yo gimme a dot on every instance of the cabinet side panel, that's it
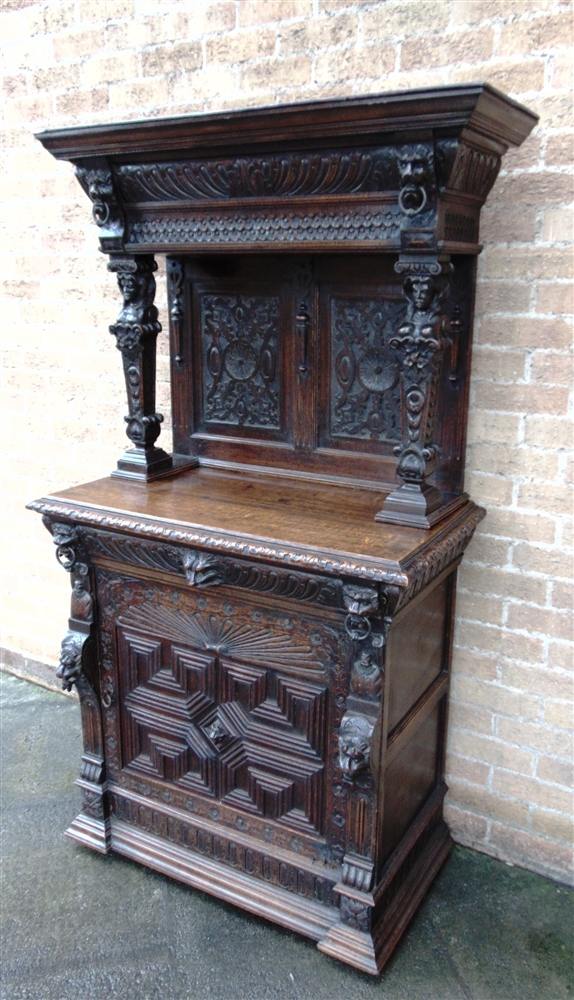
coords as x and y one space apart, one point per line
416 652
409 781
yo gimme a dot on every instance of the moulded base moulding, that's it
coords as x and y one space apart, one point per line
90 832
300 915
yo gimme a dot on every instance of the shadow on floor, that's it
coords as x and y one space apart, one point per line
76 925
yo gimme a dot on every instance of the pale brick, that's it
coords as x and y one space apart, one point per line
502 297
522 647
522 398
552 369
531 791
110 69
522 462
465 827
475 664
81 102
558 225
555 110
58 17
511 524
474 11
550 499
418 17
254 12
552 824
348 64
237 47
560 656
515 585
488 550
559 150
481 801
551 683
523 157
106 10
540 738
492 752
204 84
536 188
498 365
500 225
528 263
548 432
563 596
171 59
15 85
467 770
537 35
469 718
477 608
553 562
494 428
516 78
460 47
295 72
525 331
138 95
490 489
559 772
315 34
555 299
562 71
559 714
541 621
203 19
496 698
28 109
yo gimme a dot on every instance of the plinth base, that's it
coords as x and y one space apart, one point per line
145 467
418 507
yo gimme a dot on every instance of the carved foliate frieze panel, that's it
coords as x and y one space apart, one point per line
283 174
240 358
365 396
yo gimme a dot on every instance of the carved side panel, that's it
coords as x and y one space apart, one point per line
365 397
240 347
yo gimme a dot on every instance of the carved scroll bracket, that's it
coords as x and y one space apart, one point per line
136 331
96 179
78 667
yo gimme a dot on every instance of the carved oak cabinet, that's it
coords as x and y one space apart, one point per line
261 623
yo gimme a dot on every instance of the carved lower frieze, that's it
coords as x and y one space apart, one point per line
237 852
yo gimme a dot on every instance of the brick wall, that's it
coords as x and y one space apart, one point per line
81 61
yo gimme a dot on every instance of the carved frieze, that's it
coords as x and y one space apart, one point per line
285 174
241 360
362 224
365 398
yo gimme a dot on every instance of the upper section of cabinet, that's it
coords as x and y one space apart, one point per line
403 172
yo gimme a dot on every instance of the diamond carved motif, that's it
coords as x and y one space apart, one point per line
238 732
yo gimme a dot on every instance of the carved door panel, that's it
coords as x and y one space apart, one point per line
223 699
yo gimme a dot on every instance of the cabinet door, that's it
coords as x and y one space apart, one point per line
225 707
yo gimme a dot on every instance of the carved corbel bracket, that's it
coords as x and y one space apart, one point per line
97 181
78 667
416 178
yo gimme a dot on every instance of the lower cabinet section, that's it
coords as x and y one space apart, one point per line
272 737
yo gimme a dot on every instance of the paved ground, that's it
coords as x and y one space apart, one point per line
78 926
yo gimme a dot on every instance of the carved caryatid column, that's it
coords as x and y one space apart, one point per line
136 331
419 345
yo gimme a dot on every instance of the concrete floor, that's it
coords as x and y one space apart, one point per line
79 926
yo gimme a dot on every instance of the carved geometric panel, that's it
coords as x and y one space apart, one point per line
365 399
239 732
240 360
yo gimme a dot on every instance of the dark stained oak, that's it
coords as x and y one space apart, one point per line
261 624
